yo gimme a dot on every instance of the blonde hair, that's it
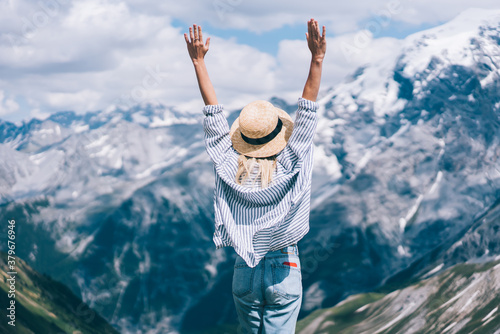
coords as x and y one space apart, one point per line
266 169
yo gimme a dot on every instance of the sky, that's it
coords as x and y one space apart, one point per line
89 55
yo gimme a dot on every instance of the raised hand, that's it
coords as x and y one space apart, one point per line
196 48
197 51
317 45
315 41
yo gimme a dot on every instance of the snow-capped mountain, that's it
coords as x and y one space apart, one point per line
118 204
118 199
419 148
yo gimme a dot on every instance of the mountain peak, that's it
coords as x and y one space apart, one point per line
454 42
470 43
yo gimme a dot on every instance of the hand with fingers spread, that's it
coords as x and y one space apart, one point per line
196 48
315 41
317 45
197 51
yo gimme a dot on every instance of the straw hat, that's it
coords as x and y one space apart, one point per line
261 130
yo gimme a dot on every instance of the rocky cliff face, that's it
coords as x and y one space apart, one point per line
118 204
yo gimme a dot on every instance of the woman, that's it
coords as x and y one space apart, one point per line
263 168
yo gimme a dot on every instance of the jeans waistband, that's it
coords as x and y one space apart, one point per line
292 249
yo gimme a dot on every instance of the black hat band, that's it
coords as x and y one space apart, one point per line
266 139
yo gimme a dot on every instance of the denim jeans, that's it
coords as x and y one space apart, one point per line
268 297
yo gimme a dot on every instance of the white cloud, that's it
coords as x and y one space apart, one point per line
338 16
90 54
37 113
433 12
101 54
294 58
7 104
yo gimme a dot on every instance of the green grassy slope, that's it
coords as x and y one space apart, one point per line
44 305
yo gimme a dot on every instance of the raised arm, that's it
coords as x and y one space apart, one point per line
300 143
317 45
197 51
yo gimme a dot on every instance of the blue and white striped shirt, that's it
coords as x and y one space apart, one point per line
257 220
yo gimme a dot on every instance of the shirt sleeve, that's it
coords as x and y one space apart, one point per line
301 140
217 141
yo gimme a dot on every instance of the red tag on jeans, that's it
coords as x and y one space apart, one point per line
291 264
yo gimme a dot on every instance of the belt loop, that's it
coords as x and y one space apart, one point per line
292 249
